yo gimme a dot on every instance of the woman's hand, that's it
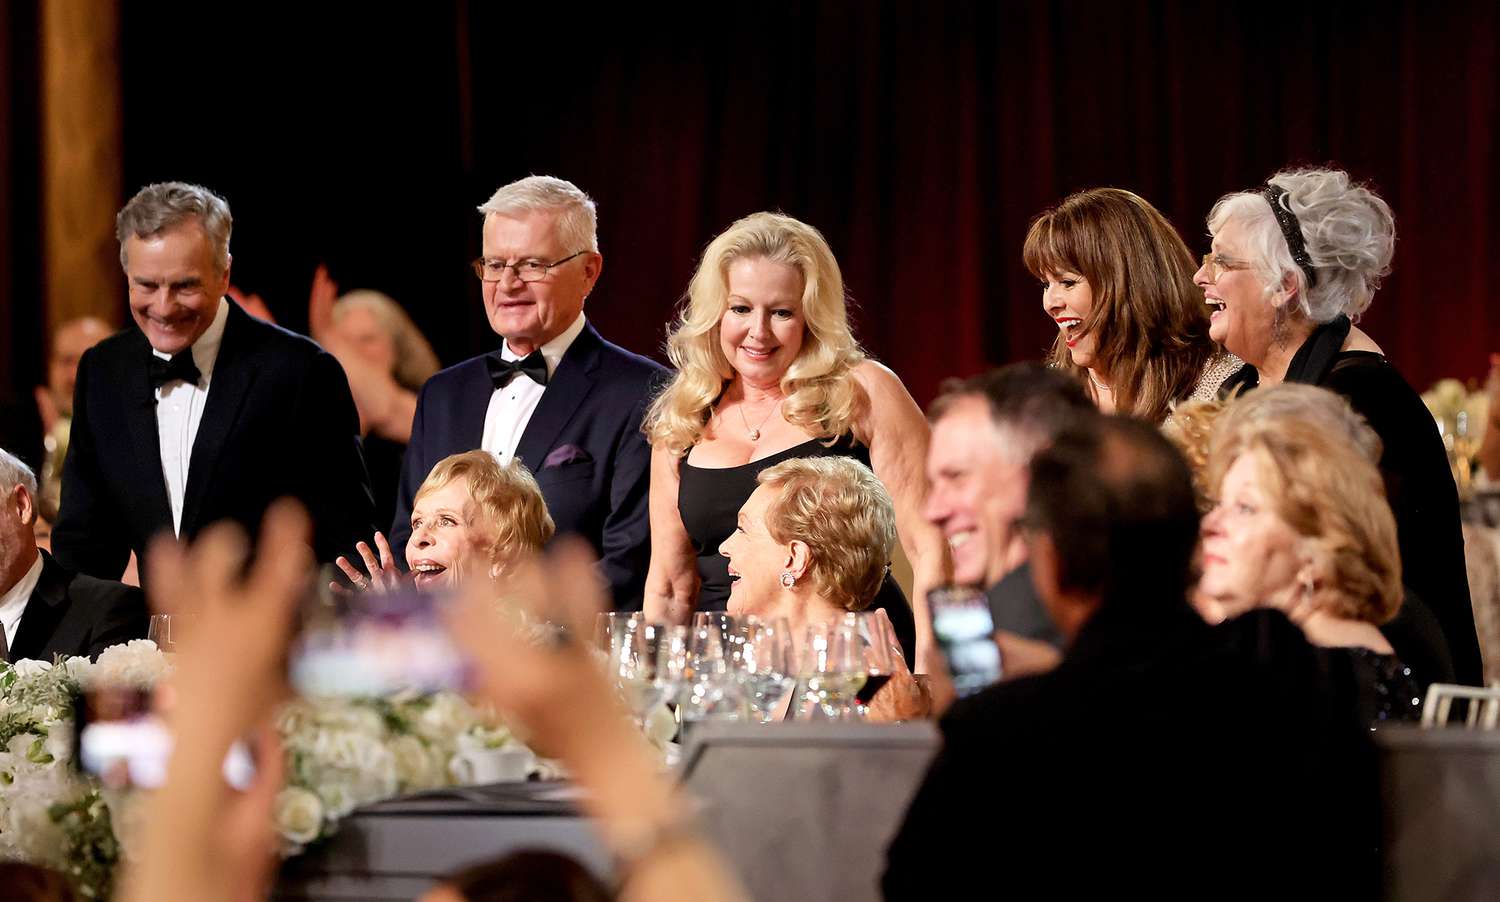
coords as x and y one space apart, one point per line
903 697
383 575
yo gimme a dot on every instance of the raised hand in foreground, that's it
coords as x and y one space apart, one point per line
204 841
556 693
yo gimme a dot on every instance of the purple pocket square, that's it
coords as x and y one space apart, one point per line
565 454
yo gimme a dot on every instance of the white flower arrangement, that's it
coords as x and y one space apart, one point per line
341 753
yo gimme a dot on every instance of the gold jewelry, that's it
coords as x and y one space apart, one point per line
755 432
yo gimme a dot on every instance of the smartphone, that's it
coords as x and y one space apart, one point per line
374 643
120 738
965 631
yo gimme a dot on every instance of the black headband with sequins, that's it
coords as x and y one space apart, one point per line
1291 230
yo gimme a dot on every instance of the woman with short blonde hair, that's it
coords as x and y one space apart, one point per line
471 509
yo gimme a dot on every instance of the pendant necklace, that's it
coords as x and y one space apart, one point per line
754 432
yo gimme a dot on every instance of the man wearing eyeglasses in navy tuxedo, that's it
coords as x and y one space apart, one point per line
554 394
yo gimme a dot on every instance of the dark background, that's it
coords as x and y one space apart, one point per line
920 137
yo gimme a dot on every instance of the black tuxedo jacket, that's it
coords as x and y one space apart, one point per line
1161 759
73 614
583 443
279 420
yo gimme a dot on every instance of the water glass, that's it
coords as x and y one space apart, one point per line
765 667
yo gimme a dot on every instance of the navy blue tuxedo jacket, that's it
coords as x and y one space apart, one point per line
279 421
583 444
72 614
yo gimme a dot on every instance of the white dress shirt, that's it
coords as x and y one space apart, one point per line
179 410
13 603
511 407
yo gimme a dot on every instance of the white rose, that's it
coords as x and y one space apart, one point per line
416 767
299 815
28 668
337 796
661 726
21 743
448 716
135 663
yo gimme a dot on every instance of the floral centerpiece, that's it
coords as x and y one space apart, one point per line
340 753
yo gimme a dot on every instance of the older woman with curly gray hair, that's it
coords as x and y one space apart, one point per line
1294 262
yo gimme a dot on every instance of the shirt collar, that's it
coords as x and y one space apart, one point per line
553 350
206 348
13 603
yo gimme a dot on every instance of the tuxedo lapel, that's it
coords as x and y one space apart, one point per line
227 389
145 441
43 611
566 390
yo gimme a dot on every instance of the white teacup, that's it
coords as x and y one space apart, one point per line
473 767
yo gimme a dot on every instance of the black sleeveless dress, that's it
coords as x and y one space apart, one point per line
709 500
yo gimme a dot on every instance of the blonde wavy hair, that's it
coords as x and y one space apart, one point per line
1324 486
821 394
842 512
504 500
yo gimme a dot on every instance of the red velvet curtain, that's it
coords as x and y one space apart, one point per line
921 137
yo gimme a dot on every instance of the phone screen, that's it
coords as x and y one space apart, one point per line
964 629
373 643
121 738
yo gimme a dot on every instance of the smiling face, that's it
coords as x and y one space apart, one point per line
1067 298
530 314
1242 317
976 494
1250 554
762 328
445 539
756 560
175 286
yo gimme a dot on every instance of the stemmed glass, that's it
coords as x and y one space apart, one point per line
875 640
765 666
634 666
608 626
711 691
833 670
160 632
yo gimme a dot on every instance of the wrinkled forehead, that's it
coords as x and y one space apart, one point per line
521 232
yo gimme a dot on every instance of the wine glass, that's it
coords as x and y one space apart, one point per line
875 640
711 691
833 670
607 627
633 665
765 666
160 632
717 620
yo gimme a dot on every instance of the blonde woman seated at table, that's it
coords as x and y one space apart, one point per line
1302 526
468 501
812 544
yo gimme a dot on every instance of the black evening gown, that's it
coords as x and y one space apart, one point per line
1418 485
710 498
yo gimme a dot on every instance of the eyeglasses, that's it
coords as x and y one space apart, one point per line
1218 264
529 270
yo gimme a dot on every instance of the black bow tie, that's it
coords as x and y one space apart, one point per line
533 365
181 366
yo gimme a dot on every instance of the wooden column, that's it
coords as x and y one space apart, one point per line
81 159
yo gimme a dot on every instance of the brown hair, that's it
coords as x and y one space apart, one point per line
504 496
844 514
1327 490
1148 317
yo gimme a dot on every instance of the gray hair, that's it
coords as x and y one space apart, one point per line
1292 401
1349 231
14 472
156 208
1029 404
577 221
415 360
